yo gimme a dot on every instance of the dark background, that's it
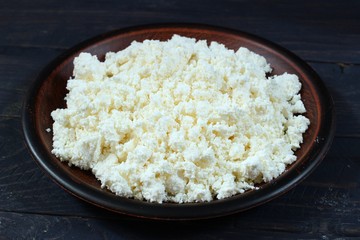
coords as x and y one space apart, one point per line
326 34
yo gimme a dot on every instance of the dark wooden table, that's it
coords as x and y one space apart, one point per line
326 34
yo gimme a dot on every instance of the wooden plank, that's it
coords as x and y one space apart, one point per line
33 226
315 31
341 80
20 66
343 83
332 190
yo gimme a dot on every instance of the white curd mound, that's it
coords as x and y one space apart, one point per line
179 121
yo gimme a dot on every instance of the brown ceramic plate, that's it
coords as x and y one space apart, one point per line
48 92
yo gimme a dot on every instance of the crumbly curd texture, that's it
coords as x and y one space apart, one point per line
179 120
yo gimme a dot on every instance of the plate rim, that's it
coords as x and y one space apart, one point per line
165 211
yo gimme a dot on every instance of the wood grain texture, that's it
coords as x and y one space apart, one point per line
63 227
341 80
322 31
326 34
332 189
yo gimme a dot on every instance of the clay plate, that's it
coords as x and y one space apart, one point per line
48 92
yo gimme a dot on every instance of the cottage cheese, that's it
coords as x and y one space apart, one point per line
179 121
